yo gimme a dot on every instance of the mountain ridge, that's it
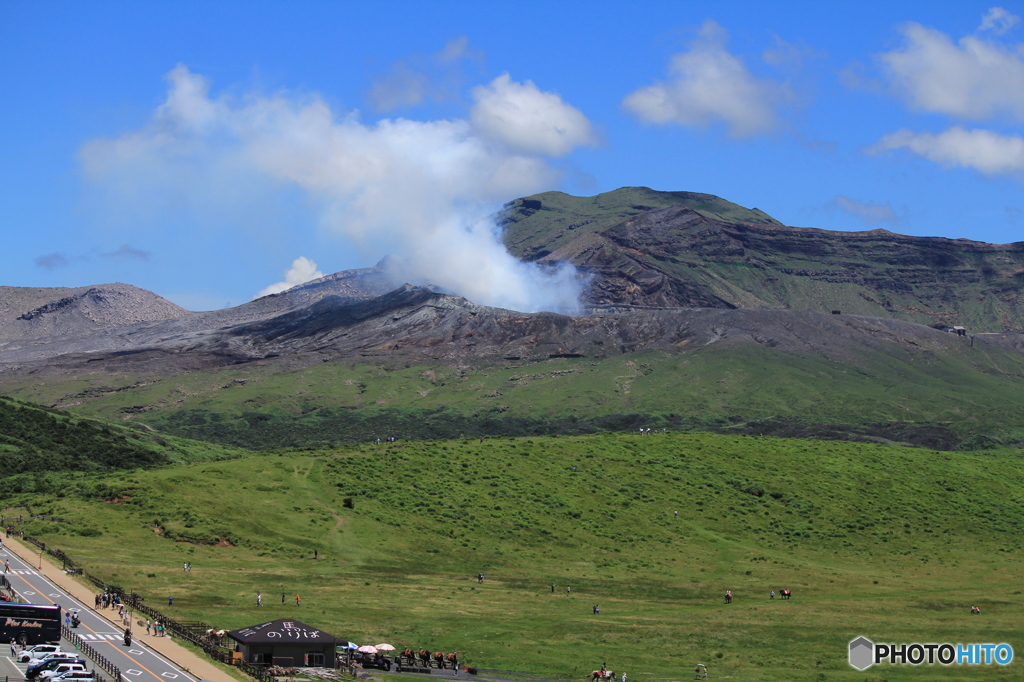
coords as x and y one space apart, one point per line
678 255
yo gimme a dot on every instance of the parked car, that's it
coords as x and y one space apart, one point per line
51 656
61 669
34 671
37 651
75 676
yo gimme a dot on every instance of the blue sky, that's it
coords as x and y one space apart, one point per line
203 150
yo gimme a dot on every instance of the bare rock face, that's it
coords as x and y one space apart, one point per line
421 325
65 317
41 313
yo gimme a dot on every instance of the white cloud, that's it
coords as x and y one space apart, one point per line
434 77
302 270
983 150
998 20
421 190
403 87
871 213
527 120
708 85
973 78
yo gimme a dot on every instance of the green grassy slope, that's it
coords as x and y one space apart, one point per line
531 233
890 543
961 395
34 439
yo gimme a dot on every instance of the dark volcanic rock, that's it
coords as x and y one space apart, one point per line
419 324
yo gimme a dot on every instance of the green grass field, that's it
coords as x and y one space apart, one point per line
948 396
891 543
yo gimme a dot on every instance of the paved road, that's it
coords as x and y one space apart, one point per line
138 663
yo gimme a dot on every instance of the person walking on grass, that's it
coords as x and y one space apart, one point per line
298 600
259 599
170 601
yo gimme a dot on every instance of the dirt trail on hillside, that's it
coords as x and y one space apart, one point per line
339 521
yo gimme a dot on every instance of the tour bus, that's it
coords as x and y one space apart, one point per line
29 623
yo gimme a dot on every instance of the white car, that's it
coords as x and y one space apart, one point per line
37 651
74 676
51 655
63 668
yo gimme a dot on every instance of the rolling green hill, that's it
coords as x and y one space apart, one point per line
891 543
36 440
944 395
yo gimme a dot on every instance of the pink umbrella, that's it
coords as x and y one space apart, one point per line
385 647
367 649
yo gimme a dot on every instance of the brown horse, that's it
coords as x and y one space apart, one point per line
409 655
728 597
425 658
439 659
602 675
786 594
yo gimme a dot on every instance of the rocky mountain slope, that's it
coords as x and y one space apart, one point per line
429 364
728 311
60 320
419 324
695 250
40 313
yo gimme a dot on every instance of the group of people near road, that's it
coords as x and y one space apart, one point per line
155 628
107 600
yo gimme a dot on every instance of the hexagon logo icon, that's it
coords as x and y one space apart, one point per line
862 653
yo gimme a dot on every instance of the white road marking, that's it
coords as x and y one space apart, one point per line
169 676
132 672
